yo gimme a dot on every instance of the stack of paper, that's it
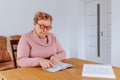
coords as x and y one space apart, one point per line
98 70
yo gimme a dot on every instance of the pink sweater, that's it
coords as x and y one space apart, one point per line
31 49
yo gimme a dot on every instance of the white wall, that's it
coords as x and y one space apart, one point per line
115 33
77 32
16 17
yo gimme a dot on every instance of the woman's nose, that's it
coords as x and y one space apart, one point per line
44 29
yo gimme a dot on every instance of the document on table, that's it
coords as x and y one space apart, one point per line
98 70
59 66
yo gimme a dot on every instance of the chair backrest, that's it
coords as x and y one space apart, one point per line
14 39
14 44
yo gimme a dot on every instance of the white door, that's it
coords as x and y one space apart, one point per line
96 31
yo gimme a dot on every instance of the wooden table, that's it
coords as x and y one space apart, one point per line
39 74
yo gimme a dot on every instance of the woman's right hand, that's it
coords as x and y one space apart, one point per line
45 63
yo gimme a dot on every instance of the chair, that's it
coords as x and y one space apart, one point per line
6 58
14 39
14 44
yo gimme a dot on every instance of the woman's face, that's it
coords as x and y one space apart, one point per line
42 28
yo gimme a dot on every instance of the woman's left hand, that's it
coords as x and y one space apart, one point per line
54 59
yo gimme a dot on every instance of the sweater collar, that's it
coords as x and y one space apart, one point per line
39 41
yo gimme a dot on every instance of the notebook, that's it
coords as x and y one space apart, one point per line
59 66
98 70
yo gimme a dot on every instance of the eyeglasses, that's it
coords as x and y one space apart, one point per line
42 26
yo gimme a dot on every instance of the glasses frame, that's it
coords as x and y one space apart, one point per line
42 26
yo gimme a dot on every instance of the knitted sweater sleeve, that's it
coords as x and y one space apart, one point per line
60 51
23 58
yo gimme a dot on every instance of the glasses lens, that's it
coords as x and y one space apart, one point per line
42 26
48 27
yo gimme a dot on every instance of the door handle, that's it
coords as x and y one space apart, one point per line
101 33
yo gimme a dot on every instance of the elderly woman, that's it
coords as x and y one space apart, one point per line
39 47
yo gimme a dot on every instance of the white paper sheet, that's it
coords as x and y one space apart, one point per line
98 70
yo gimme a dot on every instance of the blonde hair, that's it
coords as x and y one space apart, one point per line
42 16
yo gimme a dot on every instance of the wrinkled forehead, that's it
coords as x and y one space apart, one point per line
45 22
